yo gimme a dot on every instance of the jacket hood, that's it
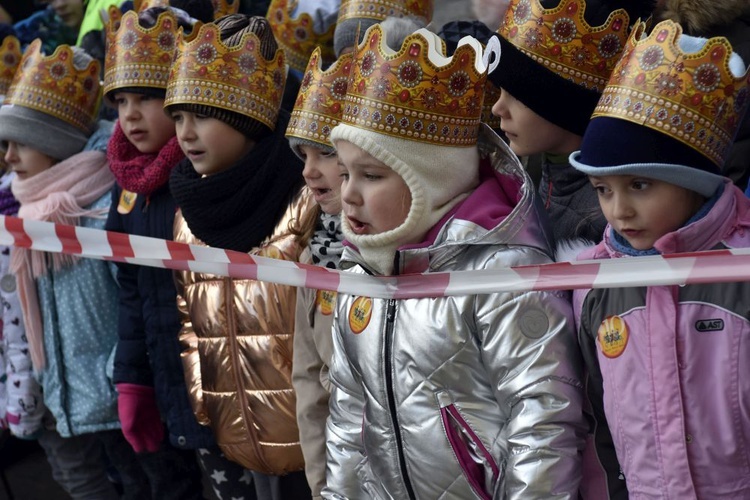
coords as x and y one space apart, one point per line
699 16
502 210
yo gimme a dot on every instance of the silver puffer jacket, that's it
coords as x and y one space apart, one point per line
460 397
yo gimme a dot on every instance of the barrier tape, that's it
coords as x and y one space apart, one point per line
715 266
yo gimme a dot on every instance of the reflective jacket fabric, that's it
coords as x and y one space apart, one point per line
674 385
237 353
474 396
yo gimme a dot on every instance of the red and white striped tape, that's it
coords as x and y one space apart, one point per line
678 269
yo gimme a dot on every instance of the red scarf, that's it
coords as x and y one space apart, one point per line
138 172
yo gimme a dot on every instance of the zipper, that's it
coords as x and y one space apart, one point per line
234 352
389 320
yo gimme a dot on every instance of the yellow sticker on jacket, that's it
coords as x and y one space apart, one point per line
359 314
127 202
613 336
325 301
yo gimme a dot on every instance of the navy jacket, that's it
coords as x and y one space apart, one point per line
148 351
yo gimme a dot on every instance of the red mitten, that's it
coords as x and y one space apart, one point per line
139 417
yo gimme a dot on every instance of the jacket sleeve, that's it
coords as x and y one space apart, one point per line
190 357
529 348
345 452
312 397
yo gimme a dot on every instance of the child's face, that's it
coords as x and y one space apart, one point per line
26 161
375 199
210 144
529 133
70 11
143 120
643 210
321 174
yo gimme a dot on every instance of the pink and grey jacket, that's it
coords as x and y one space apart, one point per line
668 374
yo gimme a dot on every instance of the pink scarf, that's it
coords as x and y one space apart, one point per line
54 195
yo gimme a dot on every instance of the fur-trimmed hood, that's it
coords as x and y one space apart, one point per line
700 16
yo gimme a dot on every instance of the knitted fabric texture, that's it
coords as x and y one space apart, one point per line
45 133
438 178
326 245
138 172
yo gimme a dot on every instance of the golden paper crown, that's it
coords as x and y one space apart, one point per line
417 93
297 36
561 40
380 9
137 56
692 97
225 7
491 95
320 102
10 57
53 85
238 78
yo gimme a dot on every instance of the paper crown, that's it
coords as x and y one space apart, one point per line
417 93
320 102
54 86
10 57
491 95
137 56
691 97
225 7
238 78
296 36
380 9
561 40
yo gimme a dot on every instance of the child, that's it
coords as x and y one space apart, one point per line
452 397
308 134
667 365
69 305
21 404
555 64
239 188
142 152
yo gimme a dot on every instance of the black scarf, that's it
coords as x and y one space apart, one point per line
237 209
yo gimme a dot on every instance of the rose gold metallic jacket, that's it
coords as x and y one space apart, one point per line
237 354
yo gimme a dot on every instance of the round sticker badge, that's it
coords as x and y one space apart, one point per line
613 336
360 314
325 300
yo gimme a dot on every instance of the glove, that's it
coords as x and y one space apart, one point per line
139 417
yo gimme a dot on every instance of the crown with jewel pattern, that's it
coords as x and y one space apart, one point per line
417 93
320 102
53 85
380 9
491 95
137 56
10 57
691 97
297 36
225 7
561 40
237 78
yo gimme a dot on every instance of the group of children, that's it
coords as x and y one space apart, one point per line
384 168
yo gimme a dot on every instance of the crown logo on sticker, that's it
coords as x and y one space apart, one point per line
417 93
10 58
138 56
320 102
561 40
380 9
692 97
54 86
297 36
237 78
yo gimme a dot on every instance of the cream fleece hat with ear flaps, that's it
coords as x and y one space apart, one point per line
438 177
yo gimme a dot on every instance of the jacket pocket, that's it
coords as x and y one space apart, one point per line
475 460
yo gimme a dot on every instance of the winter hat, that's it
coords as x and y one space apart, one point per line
680 99
556 61
418 112
356 16
231 70
38 113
